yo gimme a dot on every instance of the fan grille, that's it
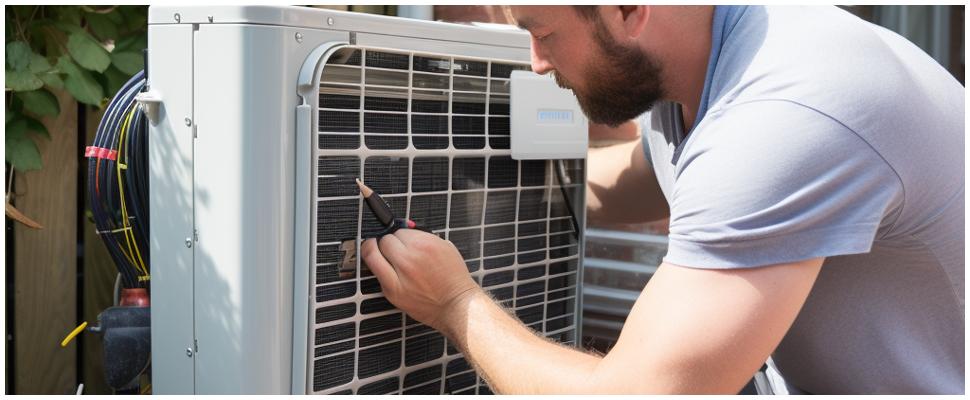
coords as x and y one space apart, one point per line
430 133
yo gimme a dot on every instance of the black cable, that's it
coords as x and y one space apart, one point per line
565 196
103 190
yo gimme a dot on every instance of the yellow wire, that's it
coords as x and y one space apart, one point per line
129 234
121 191
75 332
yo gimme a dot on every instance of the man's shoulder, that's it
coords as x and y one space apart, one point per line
812 55
871 80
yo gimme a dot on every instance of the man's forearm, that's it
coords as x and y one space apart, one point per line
490 338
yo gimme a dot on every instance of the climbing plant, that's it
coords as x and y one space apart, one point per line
87 51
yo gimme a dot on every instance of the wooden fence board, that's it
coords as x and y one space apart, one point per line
99 278
45 291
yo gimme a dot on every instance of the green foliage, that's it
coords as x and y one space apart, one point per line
40 102
89 51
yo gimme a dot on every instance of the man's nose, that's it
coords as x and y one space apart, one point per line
540 64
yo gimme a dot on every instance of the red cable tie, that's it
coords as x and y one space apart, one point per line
100 152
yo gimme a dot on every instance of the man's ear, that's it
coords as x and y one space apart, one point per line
632 19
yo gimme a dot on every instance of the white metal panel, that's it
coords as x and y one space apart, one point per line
170 177
461 49
315 18
308 89
244 205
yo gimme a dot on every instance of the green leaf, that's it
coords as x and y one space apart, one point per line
67 66
136 17
39 64
133 43
102 27
87 52
18 55
37 127
52 79
127 62
115 79
16 104
22 80
21 153
53 37
115 16
45 72
69 27
40 102
16 128
80 83
69 14
85 89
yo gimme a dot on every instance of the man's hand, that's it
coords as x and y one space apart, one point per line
428 279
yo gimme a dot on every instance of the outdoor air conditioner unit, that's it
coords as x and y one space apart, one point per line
261 119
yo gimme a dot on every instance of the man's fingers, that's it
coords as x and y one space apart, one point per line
377 264
393 250
412 236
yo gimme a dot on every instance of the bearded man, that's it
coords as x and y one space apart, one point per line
812 168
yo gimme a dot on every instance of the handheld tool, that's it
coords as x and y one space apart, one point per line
384 214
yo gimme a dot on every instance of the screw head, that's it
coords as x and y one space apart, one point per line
188 352
178 17
188 242
188 121
299 37
329 20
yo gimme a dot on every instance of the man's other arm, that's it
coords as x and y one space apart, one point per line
622 187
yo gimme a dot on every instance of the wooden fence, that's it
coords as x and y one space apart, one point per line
61 274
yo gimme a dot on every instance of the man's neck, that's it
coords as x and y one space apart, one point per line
684 45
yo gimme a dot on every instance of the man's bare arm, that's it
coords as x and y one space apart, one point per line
622 187
691 331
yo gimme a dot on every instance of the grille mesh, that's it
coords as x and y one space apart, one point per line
431 134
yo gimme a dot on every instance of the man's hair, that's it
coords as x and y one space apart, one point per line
587 12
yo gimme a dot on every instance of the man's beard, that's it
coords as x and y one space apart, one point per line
622 82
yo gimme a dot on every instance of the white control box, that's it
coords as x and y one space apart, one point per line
546 121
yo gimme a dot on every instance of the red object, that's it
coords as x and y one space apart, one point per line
135 298
411 224
100 152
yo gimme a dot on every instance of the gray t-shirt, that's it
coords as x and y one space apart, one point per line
826 136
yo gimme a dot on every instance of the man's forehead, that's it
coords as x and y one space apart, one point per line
528 17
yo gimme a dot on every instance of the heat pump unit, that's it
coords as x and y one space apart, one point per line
261 119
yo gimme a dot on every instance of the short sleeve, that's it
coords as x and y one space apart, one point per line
771 182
